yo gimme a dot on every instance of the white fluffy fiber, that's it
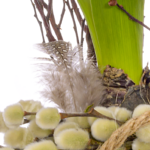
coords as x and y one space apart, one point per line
143 133
48 118
13 115
56 73
42 145
72 139
83 122
18 138
138 145
140 109
101 129
64 125
37 131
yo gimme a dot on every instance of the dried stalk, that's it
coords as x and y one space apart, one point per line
120 135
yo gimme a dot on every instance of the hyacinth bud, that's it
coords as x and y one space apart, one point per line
37 131
64 125
138 145
140 109
48 118
42 145
18 138
3 127
72 139
103 111
13 115
143 133
30 106
122 114
102 129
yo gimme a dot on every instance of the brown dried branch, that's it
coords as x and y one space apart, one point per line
62 14
39 22
82 39
48 32
53 22
72 16
132 18
49 9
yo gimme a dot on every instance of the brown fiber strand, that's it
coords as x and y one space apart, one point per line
120 135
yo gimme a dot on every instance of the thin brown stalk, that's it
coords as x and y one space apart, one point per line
78 14
50 17
39 22
40 9
62 14
82 39
72 16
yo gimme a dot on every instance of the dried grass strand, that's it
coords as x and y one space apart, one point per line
120 135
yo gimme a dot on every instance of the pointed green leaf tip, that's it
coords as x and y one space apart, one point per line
118 40
89 108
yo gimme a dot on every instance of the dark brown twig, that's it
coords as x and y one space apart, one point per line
39 22
62 14
114 3
82 39
49 9
72 16
48 32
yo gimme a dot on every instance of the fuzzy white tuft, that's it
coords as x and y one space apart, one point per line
112 109
72 139
103 111
63 126
140 109
83 122
48 118
30 106
102 129
37 131
138 145
122 114
42 145
18 138
3 127
143 133
13 114
72 119
84 85
6 148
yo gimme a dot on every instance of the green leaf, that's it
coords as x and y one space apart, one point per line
118 40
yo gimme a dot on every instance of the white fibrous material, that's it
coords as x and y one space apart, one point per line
72 119
30 106
140 109
102 129
143 133
64 77
103 111
42 145
112 109
48 118
72 139
139 145
13 115
18 138
37 131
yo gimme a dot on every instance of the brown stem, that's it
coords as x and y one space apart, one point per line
92 113
78 15
72 16
62 14
132 18
29 113
49 9
39 22
40 9
82 39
